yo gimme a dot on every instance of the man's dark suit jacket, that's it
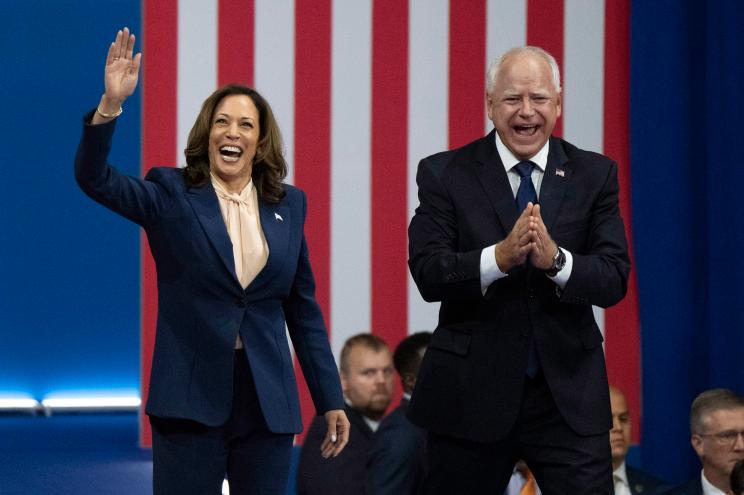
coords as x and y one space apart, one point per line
396 459
202 306
692 487
342 475
471 378
642 483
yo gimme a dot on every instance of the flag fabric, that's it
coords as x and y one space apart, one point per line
362 90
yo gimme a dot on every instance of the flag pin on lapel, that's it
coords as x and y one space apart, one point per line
560 172
278 217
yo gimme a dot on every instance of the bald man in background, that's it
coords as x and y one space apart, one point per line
627 480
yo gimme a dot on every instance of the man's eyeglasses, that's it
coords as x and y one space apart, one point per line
727 438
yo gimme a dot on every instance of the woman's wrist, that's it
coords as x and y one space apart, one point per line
107 109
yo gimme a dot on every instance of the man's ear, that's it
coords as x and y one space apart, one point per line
697 444
344 383
489 101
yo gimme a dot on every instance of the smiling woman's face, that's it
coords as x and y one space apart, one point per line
233 138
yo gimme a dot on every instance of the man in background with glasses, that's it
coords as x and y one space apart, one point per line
717 426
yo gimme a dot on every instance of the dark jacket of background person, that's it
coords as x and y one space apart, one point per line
692 487
642 483
342 475
396 458
202 306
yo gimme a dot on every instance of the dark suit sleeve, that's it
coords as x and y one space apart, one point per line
600 272
394 459
438 268
309 337
135 199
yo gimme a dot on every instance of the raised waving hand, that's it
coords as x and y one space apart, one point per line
120 76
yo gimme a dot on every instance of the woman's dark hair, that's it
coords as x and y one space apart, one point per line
737 478
269 166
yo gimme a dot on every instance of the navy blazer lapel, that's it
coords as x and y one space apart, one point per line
493 178
204 201
275 223
554 184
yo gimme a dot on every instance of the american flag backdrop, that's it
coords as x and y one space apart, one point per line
362 90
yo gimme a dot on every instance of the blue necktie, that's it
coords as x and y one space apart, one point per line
525 194
526 191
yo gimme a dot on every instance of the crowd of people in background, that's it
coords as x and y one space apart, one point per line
385 454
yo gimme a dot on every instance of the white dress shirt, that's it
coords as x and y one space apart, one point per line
620 479
489 270
708 488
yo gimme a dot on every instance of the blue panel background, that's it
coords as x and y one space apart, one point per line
687 64
69 297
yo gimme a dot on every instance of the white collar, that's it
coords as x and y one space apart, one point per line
621 473
708 488
509 160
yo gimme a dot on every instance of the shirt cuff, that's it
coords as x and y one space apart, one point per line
561 278
489 270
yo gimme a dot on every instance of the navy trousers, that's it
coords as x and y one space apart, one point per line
562 461
192 458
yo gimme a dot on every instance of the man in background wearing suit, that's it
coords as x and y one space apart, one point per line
366 370
628 480
395 462
517 234
717 426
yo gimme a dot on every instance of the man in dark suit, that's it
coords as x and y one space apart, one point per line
396 459
515 368
717 425
628 480
367 381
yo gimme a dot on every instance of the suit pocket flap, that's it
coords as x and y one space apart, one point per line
451 340
590 336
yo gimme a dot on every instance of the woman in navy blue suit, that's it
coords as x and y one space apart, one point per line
233 272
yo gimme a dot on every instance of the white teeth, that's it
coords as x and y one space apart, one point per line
230 159
233 149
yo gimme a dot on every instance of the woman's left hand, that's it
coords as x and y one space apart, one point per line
337 435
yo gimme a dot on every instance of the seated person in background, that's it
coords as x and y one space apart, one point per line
717 426
628 480
367 382
522 481
395 462
737 479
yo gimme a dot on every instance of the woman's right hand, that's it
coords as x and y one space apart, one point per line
120 75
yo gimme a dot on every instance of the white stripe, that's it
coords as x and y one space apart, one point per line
274 66
350 170
506 28
197 63
428 95
583 80
583 74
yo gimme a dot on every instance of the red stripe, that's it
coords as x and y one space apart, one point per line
622 327
467 69
389 148
312 147
545 29
159 143
235 41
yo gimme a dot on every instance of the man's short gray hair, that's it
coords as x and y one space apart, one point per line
496 66
710 401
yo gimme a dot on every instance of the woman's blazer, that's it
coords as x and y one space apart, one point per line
201 304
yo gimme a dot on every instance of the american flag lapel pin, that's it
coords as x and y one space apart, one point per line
278 217
560 172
